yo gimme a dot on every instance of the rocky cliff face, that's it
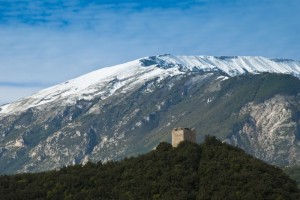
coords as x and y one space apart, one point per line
271 131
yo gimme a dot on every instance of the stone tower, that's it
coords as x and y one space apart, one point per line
183 134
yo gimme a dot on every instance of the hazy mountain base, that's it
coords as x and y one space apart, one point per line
132 123
212 170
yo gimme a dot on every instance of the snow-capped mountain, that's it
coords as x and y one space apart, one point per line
126 76
127 109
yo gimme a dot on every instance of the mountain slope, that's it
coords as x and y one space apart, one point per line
126 76
128 109
212 170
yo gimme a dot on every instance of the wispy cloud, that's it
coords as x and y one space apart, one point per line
22 84
11 93
51 41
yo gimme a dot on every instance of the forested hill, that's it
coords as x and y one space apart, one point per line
212 170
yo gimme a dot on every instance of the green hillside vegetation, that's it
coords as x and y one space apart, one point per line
294 173
212 170
220 116
261 87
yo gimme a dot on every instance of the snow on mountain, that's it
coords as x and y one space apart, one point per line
91 85
231 65
106 81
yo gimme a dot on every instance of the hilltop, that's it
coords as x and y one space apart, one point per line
212 170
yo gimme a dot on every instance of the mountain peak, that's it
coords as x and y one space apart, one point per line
231 65
106 81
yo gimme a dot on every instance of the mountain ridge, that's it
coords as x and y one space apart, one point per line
150 67
131 108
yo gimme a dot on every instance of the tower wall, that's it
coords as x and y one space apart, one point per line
183 134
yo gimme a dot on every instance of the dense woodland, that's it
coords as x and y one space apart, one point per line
212 170
294 173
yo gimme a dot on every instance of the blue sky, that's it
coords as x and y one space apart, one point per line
45 42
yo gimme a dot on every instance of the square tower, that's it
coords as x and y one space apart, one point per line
183 134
